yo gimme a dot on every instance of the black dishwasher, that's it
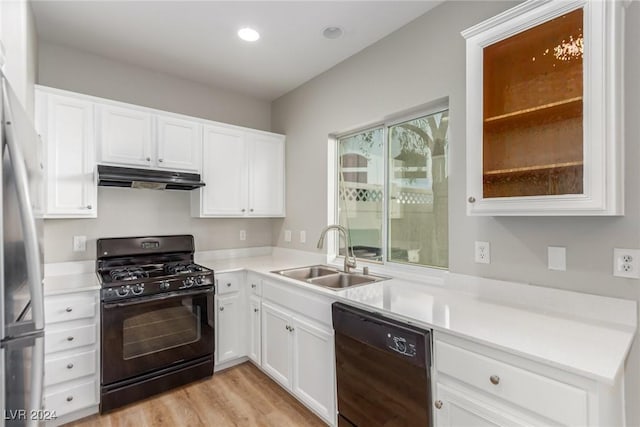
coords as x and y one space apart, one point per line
382 370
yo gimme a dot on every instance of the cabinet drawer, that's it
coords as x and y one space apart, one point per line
72 399
62 308
61 369
67 339
228 283
553 399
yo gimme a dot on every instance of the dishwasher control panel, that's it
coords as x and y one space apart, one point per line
402 345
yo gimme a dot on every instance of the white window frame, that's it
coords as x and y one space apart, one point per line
333 239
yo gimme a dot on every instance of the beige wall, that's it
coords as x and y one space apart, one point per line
425 61
128 212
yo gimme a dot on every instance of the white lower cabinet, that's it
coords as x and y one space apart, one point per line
230 309
298 354
255 332
72 356
481 386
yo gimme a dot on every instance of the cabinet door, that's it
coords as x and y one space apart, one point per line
70 164
313 367
544 110
454 408
125 136
224 171
179 144
254 329
228 327
266 175
276 344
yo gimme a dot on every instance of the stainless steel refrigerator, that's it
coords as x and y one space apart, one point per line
21 279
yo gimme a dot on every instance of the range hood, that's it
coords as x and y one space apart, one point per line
114 176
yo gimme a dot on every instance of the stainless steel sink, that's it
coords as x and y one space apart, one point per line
304 273
329 277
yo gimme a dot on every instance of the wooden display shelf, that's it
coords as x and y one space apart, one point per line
566 107
531 169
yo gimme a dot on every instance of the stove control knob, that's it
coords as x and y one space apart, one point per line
137 289
123 291
188 282
164 286
199 280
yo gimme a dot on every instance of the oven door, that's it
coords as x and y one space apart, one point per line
149 333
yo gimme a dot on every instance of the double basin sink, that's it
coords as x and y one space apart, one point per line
329 277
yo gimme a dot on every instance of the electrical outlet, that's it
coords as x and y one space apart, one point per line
243 235
626 263
483 253
79 243
287 235
303 236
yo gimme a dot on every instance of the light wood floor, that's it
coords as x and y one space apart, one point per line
239 396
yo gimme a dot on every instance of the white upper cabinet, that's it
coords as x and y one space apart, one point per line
545 109
179 144
125 136
266 174
244 174
132 137
66 127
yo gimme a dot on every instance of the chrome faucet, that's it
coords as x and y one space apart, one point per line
349 261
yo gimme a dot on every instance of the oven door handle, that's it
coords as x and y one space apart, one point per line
158 297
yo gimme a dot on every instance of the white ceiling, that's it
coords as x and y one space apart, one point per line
197 40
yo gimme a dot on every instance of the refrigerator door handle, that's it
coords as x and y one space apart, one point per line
26 213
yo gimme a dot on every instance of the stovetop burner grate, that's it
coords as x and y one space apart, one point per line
128 273
183 268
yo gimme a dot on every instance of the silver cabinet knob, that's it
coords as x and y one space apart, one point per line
160 160
255 310
148 159
250 210
438 404
69 398
221 308
291 328
287 327
242 210
472 199
228 285
68 309
70 366
253 286
495 380
69 338
89 207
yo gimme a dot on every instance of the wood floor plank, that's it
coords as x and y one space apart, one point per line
239 396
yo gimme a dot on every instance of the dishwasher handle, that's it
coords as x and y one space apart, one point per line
409 343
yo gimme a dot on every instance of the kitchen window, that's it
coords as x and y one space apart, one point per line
392 190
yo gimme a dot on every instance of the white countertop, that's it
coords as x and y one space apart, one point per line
583 345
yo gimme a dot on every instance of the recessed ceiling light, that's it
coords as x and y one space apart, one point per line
248 34
332 32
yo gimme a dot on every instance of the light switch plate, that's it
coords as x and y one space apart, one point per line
243 235
287 235
557 258
79 243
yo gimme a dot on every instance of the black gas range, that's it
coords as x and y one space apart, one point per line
157 317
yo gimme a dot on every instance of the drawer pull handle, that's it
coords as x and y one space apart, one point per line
70 366
253 286
438 404
69 338
255 310
495 380
69 309
69 398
